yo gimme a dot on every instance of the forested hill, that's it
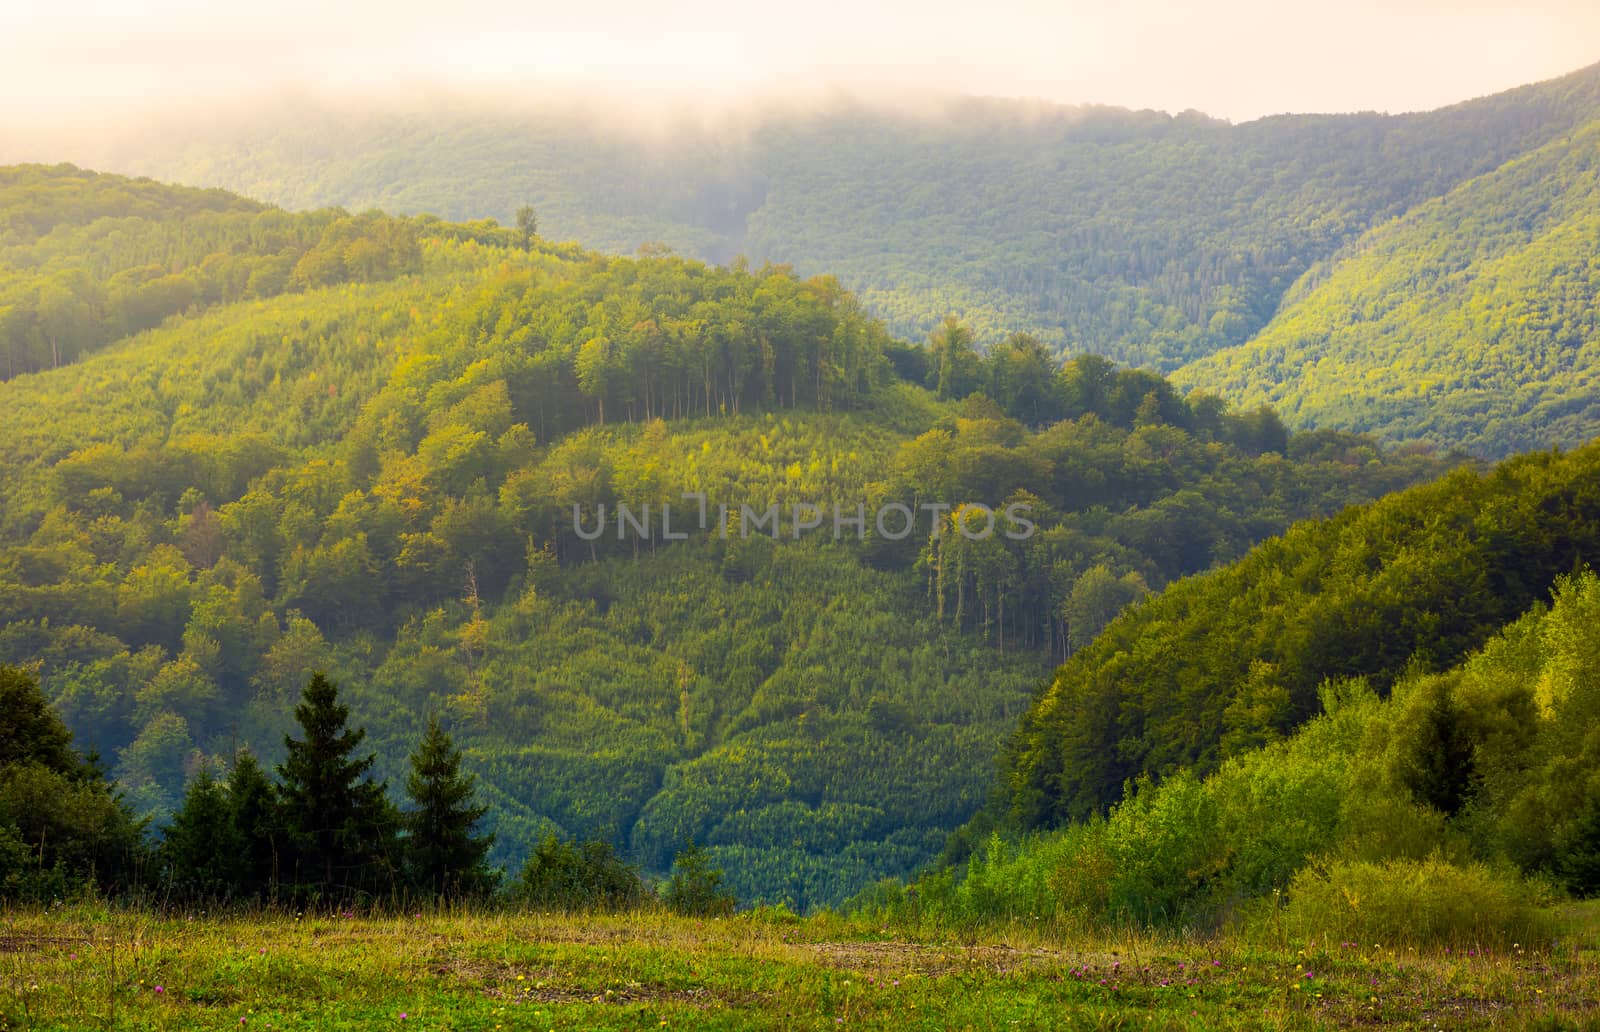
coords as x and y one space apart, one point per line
1149 238
1470 320
374 475
86 259
1223 663
1160 241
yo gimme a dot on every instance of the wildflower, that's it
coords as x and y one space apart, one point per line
159 990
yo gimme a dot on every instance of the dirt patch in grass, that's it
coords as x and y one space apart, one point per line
518 984
15 942
697 997
934 961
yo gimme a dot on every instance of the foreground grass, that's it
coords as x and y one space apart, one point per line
101 969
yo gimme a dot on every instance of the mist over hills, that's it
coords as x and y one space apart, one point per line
1157 240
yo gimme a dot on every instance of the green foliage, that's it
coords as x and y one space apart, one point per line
695 888
258 824
564 875
377 480
203 851
1451 812
340 825
1151 238
443 855
29 731
1235 657
1414 902
1468 322
63 830
86 259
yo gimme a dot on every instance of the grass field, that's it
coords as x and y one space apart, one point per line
102 969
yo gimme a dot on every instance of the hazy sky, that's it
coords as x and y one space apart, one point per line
1233 58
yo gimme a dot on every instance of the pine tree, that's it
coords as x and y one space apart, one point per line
696 888
203 849
444 856
340 824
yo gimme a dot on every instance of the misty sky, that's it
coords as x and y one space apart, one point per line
1233 58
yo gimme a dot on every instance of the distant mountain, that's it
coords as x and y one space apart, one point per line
1470 320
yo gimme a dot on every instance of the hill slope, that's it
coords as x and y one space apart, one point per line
1229 660
1468 321
86 259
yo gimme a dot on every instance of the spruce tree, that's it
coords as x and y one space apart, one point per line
254 801
340 824
444 856
203 850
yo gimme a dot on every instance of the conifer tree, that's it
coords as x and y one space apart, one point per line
340 824
254 802
203 849
527 225
443 854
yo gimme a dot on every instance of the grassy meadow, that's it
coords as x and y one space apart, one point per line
83 968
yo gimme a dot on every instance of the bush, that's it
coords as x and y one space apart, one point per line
696 888
562 875
1415 902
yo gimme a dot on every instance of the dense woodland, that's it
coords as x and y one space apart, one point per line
1453 806
1438 264
373 477
1235 659
86 259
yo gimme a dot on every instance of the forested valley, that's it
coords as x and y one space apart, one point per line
354 445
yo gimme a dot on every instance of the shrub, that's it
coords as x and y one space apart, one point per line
562 875
1415 902
696 887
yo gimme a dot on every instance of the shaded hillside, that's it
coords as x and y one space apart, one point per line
1232 659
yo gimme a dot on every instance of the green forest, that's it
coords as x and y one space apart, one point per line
372 472
642 517
1470 320
1420 277
1452 806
